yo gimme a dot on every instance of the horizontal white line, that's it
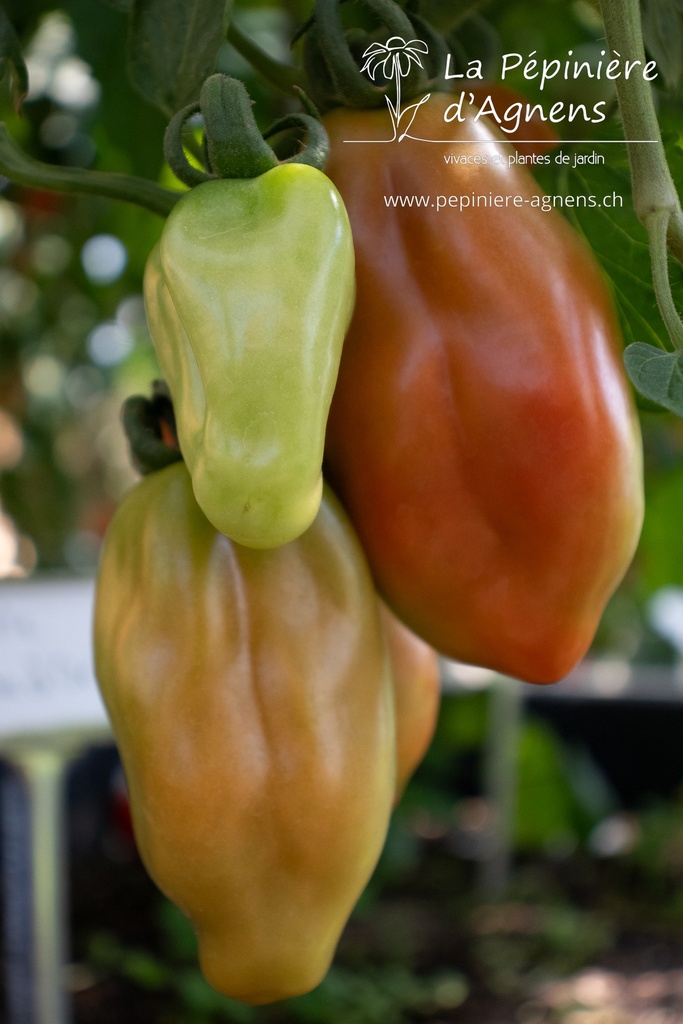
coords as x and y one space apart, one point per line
514 142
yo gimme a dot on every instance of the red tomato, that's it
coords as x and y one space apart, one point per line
482 434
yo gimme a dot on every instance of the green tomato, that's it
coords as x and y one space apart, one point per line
249 293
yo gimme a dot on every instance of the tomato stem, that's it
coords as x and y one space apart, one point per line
350 87
174 148
330 61
317 149
657 224
234 145
281 76
655 198
23 169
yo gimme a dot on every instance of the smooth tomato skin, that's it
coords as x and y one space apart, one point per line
482 435
417 695
251 699
543 136
248 294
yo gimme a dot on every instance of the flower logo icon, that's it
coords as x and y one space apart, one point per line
395 59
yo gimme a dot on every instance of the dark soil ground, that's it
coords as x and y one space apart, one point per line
581 942
584 933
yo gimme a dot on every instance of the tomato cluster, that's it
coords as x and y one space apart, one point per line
484 445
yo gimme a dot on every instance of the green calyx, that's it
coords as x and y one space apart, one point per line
233 144
149 425
358 69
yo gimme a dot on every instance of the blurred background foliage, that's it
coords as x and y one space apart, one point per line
73 337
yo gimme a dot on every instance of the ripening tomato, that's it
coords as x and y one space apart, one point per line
482 435
417 693
250 696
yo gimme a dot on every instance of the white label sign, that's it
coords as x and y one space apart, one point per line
47 683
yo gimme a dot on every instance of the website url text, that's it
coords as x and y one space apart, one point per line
491 200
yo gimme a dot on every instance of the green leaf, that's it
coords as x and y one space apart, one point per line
663 34
674 151
173 48
11 57
657 375
145 969
546 805
227 15
620 243
660 562
615 235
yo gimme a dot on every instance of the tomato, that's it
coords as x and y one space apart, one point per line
249 293
534 137
250 695
482 435
417 693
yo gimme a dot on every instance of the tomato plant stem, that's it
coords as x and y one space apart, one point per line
653 187
21 168
280 75
675 235
657 225
655 199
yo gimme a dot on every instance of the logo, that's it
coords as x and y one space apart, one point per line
395 59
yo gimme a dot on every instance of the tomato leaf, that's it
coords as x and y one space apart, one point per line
620 243
657 375
173 47
663 33
11 57
600 206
